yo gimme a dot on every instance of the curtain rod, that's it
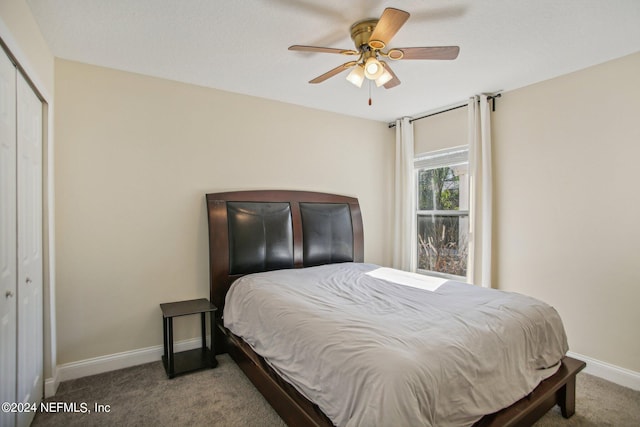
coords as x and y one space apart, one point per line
491 98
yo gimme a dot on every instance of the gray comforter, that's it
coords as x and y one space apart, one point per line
370 352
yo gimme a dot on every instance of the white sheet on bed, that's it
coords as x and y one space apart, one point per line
420 281
371 352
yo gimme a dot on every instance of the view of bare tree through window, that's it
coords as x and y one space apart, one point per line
443 219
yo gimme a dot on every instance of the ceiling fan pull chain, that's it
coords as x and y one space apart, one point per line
369 92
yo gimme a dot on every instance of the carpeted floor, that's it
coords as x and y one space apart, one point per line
143 396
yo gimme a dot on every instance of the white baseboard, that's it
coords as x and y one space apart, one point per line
112 362
609 372
51 386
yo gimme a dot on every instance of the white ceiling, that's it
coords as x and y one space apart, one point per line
241 45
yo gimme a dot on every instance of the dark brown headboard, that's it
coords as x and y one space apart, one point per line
254 231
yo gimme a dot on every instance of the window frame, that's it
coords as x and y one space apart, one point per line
448 157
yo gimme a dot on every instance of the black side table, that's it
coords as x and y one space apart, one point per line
190 360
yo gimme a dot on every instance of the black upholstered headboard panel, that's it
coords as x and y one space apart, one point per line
327 233
260 236
254 231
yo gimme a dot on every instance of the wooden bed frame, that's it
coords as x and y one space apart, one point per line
292 406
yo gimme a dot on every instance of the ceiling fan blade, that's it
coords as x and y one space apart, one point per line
395 81
436 52
331 73
390 22
301 48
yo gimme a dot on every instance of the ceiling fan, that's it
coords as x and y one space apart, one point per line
371 37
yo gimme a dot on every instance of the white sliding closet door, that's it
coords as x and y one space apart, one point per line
30 278
21 278
8 255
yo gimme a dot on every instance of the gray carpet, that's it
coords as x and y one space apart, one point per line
143 396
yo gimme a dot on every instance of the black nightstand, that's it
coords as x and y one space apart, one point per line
190 360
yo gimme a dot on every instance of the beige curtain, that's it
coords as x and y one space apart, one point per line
404 236
481 204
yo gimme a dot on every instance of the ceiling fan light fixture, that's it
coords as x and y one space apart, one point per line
373 68
384 78
356 76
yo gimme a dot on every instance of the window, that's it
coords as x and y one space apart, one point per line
442 214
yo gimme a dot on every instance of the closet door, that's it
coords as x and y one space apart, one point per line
8 274
29 173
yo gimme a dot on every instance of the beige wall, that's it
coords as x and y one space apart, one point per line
135 156
567 205
440 131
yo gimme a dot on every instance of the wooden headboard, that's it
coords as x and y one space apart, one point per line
255 231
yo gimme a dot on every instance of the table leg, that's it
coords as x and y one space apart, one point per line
170 339
212 320
203 328
166 348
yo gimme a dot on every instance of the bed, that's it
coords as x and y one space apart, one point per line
279 233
